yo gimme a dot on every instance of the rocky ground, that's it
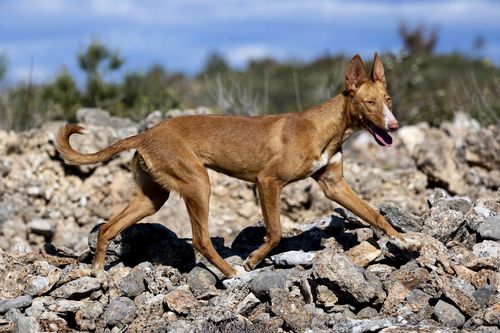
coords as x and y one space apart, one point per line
331 272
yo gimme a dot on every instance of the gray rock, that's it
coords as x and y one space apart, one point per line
15 303
483 294
338 270
148 305
400 218
63 306
442 223
88 314
360 325
42 227
201 281
448 315
293 258
120 312
490 228
248 303
487 249
441 161
262 284
133 283
291 309
100 117
22 324
77 289
367 313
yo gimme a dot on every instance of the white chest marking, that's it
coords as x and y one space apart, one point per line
319 163
388 116
337 158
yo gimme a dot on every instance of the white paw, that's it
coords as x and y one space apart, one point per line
406 243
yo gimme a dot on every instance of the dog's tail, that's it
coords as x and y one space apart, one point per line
71 156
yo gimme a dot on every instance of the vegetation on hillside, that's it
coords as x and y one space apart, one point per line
425 86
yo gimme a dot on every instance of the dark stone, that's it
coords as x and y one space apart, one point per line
399 218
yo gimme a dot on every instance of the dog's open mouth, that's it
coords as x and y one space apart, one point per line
381 136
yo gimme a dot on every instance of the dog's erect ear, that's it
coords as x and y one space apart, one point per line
355 75
377 73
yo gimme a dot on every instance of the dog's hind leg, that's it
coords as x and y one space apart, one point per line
148 197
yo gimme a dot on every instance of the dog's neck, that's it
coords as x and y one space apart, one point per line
335 119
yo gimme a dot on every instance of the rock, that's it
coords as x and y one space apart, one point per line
42 227
483 294
100 117
148 242
367 313
148 305
15 303
441 162
201 281
325 297
490 228
492 315
39 285
248 303
363 253
132 284
361 325
399 218
21 323
262 284
483 148
181 301
465 302
412 137
120 312
339 271
291 310
88 314
77 289
443 223
448 315
487 249
293 258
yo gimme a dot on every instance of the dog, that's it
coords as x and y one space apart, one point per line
271 151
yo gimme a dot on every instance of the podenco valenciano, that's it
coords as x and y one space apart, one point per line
271 151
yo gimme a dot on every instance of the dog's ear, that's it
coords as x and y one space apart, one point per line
355 75
377 73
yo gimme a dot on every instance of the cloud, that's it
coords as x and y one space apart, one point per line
179 33
241 54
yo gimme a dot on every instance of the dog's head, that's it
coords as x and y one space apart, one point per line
371 105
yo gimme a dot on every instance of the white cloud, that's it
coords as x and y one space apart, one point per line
241 54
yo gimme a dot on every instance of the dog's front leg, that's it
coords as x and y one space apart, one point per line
269 194
333 184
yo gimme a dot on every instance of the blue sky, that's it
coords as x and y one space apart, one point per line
179 34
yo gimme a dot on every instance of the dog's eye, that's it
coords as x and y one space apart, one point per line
389 99
371 102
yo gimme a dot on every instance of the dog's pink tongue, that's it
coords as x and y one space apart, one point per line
382 137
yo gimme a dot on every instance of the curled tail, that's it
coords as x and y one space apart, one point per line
71 156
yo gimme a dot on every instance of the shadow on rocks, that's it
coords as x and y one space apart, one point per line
306 238
151 242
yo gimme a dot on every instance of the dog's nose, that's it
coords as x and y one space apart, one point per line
393 125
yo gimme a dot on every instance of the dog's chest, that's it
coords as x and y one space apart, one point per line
324 160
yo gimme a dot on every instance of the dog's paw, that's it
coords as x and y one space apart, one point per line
406 243
248 265
241 276
101 276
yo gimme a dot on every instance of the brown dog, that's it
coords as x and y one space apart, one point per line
271 151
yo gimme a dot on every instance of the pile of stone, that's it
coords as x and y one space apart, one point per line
440 185
332 275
